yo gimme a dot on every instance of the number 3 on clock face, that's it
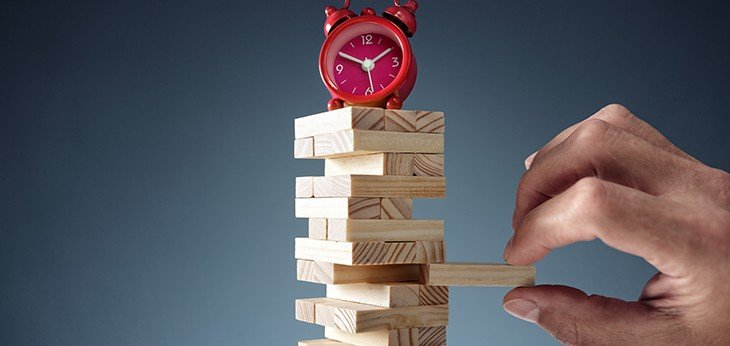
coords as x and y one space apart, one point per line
366 64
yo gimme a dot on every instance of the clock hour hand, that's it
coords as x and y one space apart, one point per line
351 58
382 54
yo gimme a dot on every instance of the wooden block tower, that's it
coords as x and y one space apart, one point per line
385 272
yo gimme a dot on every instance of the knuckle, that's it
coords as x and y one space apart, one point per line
590 194
591 131
615 113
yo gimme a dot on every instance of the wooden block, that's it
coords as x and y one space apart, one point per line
329 273
369 253
384 230
340 208
390 295
304 187
323 342
400 120
428 165
304 309
304 148
430 122
380 186
477 274
423 336
373 164
318 228
396 208
361 142
347 118
356 318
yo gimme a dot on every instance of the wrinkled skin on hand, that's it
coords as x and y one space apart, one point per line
615 178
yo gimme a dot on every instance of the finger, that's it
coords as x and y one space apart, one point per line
620 117
574 318
659 230
599 149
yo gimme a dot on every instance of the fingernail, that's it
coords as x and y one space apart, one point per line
523 309
528 160
507 249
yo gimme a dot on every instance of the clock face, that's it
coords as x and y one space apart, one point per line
366 64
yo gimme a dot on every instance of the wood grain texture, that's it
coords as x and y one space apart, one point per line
477 274
363 118
322 342
423 336
329 273
304 148
430 122
390 294
396 208
318 228
304 187
428 165
369 253
385 230
372 164
340 208
380 186
400 120
361 142
304 309
356 318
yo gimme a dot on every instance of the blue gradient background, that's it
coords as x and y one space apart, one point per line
146 173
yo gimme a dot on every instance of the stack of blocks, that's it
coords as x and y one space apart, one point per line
385 272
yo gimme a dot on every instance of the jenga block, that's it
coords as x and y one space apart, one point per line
304 148
477 274
369 253
304 187
384 230
390 294
329 273
356 318
373 164
423 336
429 165
318 228
396 208
430 122
341 208
379 186
347 118
400 120
304 309
323 342
361 142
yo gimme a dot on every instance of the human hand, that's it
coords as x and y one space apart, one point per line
615 178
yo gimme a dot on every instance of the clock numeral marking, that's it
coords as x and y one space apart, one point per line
353 89
343 82
367 39
396 63
381 86
368 91
353 46
339 68
380 40
391 75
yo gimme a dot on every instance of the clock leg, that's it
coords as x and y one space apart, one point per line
394 103
334 103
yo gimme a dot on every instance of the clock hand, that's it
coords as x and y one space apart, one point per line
382 54
351 58
370 77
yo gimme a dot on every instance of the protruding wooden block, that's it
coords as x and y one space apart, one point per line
396 208
373 164
477 274
369 253
431 122
423 336
362 118
379 186
304 148
384 230
329 273
431 165
304 187
304 309
323 342
318 228
361 142
390 295
356 318
340 208
400 120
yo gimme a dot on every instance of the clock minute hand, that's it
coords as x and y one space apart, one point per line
351 58
382 54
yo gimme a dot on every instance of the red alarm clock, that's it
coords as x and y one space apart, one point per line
367 60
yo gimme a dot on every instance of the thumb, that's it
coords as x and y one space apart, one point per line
575 318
